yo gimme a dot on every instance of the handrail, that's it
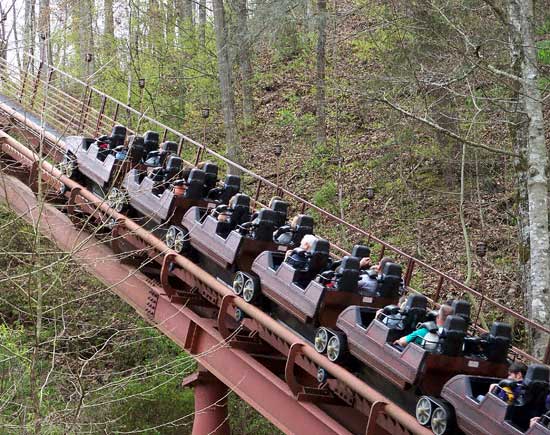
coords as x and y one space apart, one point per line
412 261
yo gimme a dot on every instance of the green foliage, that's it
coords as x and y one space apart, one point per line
543 51
326 196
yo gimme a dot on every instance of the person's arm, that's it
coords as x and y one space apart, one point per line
403 341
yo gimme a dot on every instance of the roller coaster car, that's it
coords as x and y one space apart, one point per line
414 365
316 303
222 243
152 195
459 406
94 158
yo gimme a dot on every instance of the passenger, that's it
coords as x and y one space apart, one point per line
298 257
418 335
368 282
394 318
284 234
516 373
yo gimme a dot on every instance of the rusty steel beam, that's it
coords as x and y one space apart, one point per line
172 317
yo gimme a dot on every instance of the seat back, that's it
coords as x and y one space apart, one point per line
390 281
452 336
156 158
347 275
360 251
173 167
241 210
195 183
264 225
320 252
414 311
532 399
118 136
211 171
304 225
151 141
462 308
231 186
170 147
281 208
136 149
498 342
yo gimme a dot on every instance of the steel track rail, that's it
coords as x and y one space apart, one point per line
262 388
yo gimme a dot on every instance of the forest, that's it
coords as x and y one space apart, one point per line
423 122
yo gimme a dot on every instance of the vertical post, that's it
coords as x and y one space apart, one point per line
408 273
82 109
50 76
86 109
210 403
36 82
100 114
115 116
180 146
164 134
24 81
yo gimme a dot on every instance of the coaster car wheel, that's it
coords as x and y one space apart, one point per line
238 283
336 347
67 166
177 238
117 200
424 410
251 289
322 375
442 419
322 336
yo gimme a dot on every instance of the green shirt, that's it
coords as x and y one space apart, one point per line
417 336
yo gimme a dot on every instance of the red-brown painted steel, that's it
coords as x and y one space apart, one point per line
240 371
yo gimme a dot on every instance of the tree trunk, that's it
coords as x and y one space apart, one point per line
86 36
243 41
185 14
202 22
108 27
531 137
321 64
233 150
44 32
29 33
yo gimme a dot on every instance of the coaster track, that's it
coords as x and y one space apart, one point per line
264 362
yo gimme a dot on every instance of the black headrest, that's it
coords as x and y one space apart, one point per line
210 168
151 140
455 323
392 269
174 163
103 138
461 308
267 216
171 147
304 221
280 206
233 181
537 373
135 141
242 200
196 176
360 251
320 246
416 301
118 130
500 329
391 309
349 262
